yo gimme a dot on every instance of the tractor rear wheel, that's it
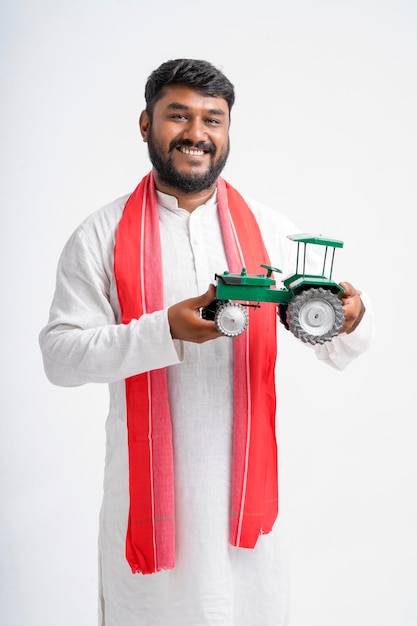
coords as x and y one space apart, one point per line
315 315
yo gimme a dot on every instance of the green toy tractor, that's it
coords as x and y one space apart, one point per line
308 304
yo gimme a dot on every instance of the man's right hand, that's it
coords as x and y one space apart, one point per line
185 320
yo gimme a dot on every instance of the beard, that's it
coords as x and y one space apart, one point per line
186 183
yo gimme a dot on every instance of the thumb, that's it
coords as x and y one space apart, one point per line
205 298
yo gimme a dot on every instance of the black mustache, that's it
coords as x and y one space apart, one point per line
187 143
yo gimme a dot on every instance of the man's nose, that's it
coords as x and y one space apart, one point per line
195 130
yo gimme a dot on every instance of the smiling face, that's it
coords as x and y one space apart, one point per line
188 139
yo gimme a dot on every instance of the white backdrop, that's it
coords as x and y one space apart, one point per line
325 130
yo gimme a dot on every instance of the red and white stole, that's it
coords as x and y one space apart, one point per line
150 540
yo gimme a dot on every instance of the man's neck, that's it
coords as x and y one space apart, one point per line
187 201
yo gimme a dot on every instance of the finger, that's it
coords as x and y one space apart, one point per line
348 290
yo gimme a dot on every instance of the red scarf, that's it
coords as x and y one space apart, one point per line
150 541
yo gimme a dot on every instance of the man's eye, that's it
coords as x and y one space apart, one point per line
177 116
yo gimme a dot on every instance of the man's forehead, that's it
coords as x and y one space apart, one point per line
184 97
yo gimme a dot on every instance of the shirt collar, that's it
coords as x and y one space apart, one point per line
171 203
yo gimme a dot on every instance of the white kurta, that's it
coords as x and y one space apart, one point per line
213 583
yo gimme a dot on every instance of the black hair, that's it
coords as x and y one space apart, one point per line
200 75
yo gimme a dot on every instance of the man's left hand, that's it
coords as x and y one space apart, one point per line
353 306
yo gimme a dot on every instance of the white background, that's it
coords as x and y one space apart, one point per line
324 129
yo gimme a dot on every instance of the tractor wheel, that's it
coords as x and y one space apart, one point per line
209 312
315 315
231 319
282 312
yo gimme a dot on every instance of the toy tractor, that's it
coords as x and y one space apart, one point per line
308 304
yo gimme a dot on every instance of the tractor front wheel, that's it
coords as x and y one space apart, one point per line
231 319
315 315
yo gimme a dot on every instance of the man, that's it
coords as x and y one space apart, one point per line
187 534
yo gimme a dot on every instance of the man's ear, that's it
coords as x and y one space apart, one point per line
144 124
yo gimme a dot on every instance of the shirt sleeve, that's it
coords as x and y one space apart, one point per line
84 341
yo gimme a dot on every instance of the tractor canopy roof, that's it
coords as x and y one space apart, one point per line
317 239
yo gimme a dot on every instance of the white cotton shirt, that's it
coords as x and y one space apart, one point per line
213 583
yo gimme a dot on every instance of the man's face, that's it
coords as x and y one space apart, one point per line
188 138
